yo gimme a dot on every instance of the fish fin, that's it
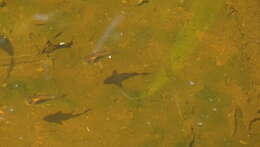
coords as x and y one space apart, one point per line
60 122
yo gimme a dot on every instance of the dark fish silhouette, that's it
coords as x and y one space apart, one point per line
6 45
59 117
118 78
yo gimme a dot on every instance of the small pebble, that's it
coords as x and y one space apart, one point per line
200 124
61 43
4 85
11 110
214 109
148 123
211 99
191 83
87 128
109 57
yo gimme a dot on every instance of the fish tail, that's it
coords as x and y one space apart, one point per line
10 69
145 73
87 110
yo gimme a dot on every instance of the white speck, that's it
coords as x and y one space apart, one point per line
211 99
4 85
214 109
42 17
148 123
87 128
11 110
191 83
61 43
110 57
16 85
200 124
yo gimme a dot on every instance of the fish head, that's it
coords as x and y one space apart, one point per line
111 79
114 79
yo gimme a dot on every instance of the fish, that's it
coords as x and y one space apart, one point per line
95 57
50 47
7 47
41 98
60 116
118 78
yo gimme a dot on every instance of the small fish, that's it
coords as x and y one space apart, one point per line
95 57
39 99
50 47
118 78
6 45
59 116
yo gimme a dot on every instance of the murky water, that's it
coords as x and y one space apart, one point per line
135 73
